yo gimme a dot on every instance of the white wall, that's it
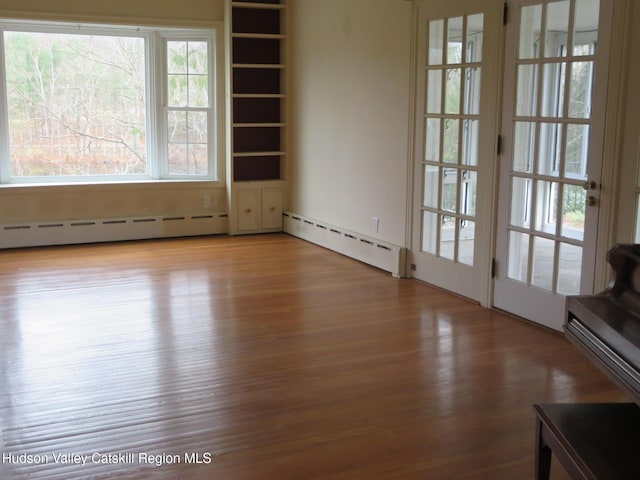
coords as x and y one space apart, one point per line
630 150
161 12
349 87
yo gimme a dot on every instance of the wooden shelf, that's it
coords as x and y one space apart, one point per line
260 5
265 36
258 154
258 95
259 125
257 92
274 66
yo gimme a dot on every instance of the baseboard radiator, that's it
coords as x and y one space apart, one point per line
110 229
385 256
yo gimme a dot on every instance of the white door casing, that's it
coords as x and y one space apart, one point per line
457 85
555 96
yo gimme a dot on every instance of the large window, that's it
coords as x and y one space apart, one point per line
88 103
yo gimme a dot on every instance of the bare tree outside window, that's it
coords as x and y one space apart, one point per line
76 104
187 92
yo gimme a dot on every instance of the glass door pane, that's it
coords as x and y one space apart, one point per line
451 116
548 172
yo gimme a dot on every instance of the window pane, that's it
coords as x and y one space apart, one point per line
557 29
549 149
523 147
177 58
577 151
434 91
553 89
198 58
527 90
436 46
547 206
530 20
450 189
569 268
581 84
454 40
432 140
518 256
177 127
187 149
573 210
197 127
520 202
475 29
470 133
453 91
585 36
542 264
429 232
466 244
431 184
76 104
188 81
198 91
472 101
451 141
468 192
448 237
188 159
178 90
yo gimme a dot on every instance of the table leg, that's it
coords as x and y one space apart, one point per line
543 454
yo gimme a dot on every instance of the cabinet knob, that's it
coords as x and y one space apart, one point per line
273 209
248 210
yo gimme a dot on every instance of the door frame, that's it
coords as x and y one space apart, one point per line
487 183
612 166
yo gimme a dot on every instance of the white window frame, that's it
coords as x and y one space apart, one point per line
155 39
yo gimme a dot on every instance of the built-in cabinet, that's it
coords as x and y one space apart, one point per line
259 208
257 153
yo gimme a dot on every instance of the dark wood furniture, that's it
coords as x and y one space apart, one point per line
606 326
592 441
600 441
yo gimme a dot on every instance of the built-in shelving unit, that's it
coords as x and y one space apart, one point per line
257 46
257 105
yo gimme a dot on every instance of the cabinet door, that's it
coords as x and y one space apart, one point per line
271 208
248 209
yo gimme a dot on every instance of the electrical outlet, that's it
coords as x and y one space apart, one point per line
375 224
206 200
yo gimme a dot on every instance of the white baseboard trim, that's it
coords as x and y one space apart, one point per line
110 229
383 255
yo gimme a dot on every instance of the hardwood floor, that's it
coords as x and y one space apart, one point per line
267 358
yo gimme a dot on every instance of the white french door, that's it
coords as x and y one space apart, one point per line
555 88
457 90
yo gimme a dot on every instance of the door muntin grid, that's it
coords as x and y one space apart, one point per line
551 131
451 138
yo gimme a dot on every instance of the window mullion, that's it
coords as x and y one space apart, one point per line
156 128
5 152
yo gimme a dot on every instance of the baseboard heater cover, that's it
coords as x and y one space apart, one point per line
383 255
110 229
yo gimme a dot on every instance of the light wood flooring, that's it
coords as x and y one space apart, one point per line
264 357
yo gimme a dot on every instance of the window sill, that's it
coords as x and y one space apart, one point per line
114 185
